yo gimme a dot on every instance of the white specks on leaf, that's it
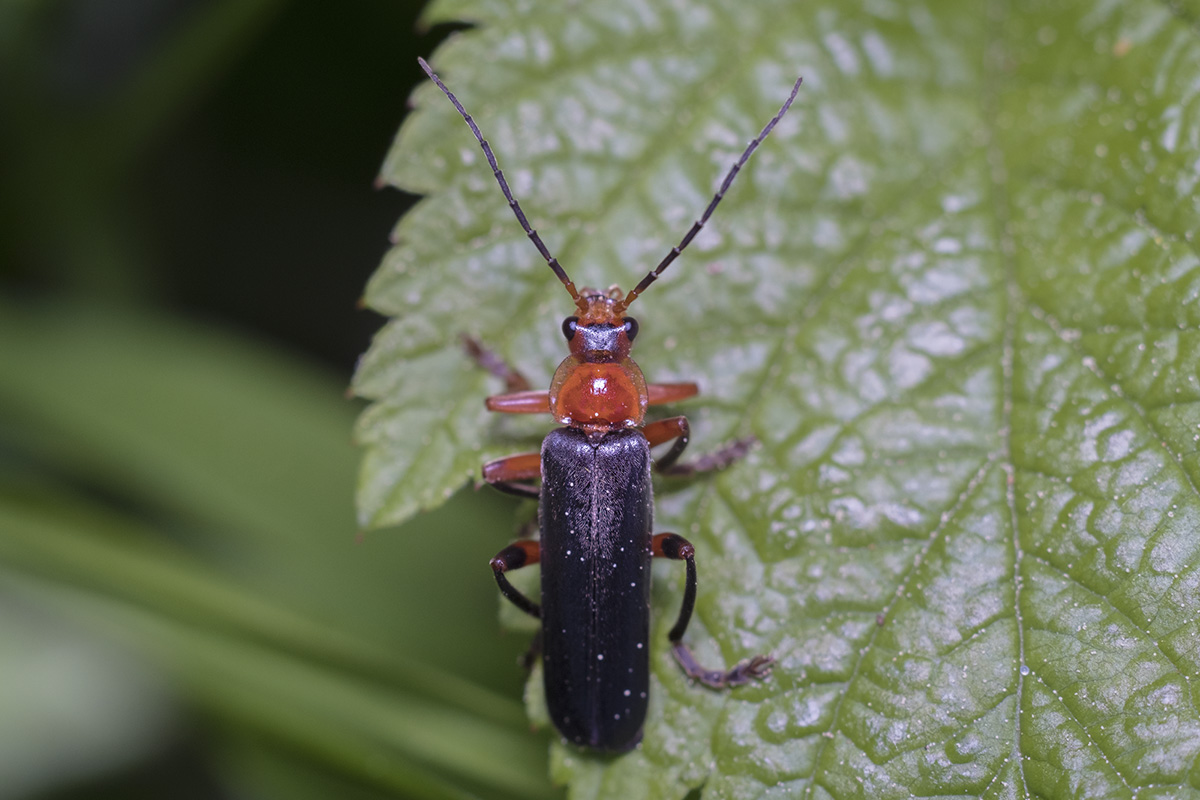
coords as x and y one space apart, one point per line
842 52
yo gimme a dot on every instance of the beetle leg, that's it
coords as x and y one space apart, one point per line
660 393
718 459
534 402
510 474
664 430
494 363
519 399
516 555
677 428
674 546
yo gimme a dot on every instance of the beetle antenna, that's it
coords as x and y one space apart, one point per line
698 224
512 201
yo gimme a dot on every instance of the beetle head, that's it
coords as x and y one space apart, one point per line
600 332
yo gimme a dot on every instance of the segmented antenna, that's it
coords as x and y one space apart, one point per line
698 224
512 201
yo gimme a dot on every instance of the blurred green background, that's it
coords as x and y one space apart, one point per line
187 219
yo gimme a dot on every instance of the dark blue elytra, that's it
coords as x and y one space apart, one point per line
596 521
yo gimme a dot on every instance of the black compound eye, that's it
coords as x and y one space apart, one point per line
568 327
631 328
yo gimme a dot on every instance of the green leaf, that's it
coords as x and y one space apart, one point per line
957 298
